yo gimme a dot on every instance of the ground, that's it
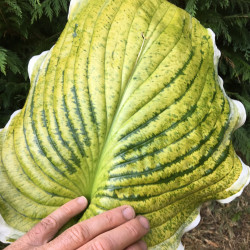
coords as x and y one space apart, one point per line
223 227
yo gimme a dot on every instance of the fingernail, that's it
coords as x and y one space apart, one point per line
81 200
144 222
128 213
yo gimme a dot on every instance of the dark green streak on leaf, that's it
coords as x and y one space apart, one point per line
172 81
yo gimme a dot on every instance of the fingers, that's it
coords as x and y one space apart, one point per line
49 226
116 229
121 237
85 231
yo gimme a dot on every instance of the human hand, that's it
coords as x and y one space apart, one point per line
116 229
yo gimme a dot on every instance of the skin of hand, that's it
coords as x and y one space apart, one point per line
116 229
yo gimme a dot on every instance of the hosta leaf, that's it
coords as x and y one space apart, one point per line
126 108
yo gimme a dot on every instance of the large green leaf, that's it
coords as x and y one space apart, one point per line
126 108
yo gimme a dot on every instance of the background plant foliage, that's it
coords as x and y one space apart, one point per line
28 27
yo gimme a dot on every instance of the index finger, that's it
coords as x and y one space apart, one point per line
46 229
